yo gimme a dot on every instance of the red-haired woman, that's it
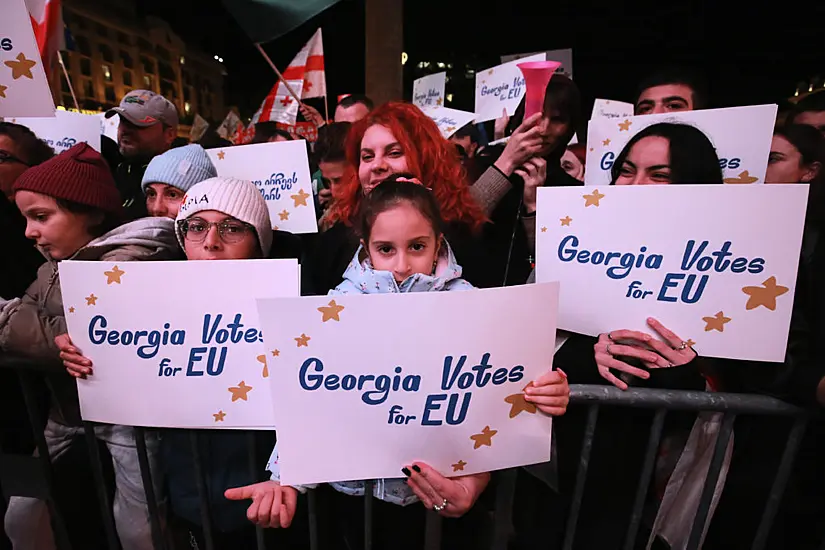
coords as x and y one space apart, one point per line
395 138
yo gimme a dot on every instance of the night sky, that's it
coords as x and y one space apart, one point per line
750 54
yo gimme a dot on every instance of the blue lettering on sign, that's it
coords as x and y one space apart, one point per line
375 389
496 90
607 161
619 269
6 45
733 163
147 341
272 187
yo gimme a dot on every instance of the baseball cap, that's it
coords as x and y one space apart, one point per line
144 108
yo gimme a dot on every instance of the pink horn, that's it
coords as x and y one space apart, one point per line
537 75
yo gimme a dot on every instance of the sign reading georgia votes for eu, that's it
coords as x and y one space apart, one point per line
385 379
716 264
501 87
280 171
174 344
65 129
428 91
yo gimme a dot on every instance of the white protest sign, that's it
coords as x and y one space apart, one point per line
109 126
449 121
606 108
24 90
193 358
450 398
280 170
499 88
741 135
565 57
428 91
65 129
716 264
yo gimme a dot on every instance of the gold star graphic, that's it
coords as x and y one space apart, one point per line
331 311
300 198
490 72
743 177
519 404
450 129
625 126
284 215
591 149
484 438
593 198
91 300
221 154
439 101
764 295
606 142
544 230
276 352
71 310
717 322
690 343
459 466
114 275
240 391
3 90
566 220
262 359
303 340
219 416
22 67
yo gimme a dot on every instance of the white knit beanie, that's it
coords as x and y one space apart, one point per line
181 167
234 197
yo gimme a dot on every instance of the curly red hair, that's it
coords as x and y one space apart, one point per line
430 157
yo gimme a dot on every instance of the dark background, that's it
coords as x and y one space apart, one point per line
749 54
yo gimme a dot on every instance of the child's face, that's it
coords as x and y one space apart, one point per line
402 241
204 241
57 231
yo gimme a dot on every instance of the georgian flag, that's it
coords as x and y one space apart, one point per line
308 66
47 22
279 105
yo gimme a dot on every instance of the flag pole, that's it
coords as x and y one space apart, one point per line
68 80
278 73
326 109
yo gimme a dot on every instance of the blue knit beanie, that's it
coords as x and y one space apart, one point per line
181 167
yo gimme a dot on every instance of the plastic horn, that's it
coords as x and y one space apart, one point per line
537 75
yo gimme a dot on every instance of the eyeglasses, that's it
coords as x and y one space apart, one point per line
7 157
230 231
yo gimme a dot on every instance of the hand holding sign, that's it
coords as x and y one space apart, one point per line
272 505
450 497
525 143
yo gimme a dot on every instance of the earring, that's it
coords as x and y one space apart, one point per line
435 263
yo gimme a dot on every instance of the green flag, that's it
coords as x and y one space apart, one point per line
266 20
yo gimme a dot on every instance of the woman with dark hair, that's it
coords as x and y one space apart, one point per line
667 153
530 159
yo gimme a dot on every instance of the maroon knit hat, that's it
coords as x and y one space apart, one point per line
78 175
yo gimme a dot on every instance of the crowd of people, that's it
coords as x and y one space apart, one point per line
401 209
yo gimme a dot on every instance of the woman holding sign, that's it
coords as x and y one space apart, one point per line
402 250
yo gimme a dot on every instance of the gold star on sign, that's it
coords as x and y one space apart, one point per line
262 359
22 67
764 295
544 230
300 198
484 438
625 126
219 416
221 154
450 129
519 404
459 466
284 215
591 149
593 198
276 352
606 142
91 300
690 343
303 340
240 391
3 90
490 72
744 177
114 275
566 221
331 311
717 322
71 310
439 101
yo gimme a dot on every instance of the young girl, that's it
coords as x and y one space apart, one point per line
170 175
72 208
229 221
402 250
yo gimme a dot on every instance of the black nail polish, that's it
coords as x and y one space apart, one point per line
417 469
406 472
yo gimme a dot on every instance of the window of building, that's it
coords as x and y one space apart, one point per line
79 22
106 53
85 66
107 72
148 65
124 38
128 62
148 82
187 107
166 71
187 93
68 100
110 94
144 45
101 30
87 89
182 60
169 91
163 53
83 45
127 78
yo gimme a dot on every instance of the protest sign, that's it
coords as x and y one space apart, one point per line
741 135
24 90
65 129
109 126
449 121
716 264
280 171
428 91
606 108
192 358
564 56
441 382
499 88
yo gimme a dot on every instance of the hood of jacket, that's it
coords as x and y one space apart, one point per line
361 278
142 239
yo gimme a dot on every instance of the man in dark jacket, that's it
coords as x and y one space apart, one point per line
148 126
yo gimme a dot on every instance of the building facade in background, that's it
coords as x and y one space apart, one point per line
112 51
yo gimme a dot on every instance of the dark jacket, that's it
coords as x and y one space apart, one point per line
22 258
128 177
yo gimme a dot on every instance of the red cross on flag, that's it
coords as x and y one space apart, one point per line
279 105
